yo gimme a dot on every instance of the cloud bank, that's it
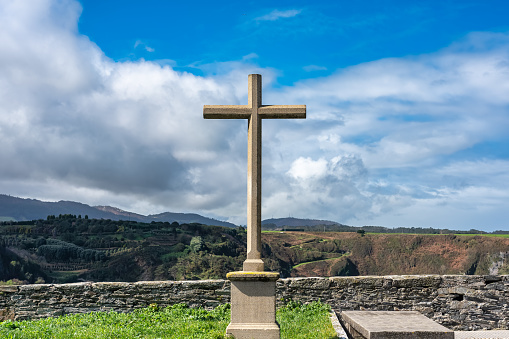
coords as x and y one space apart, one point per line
393 142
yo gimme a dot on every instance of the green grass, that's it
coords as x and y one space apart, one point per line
64 275
387 233
309 321
310 262
486 235
178 321
457 234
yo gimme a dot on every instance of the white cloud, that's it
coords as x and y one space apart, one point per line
311 68
305 168
249 56
408 120
144 45
387 142
277 14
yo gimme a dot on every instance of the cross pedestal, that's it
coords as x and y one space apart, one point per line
253 308
253 291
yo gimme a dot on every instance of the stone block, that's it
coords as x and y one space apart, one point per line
9 288
410 281
253 305
393 325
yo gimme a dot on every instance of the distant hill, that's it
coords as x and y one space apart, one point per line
21 209
31 209
121 213
187 218
295 222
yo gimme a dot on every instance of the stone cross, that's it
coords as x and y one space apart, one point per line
254 112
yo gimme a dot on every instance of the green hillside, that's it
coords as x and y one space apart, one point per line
69 248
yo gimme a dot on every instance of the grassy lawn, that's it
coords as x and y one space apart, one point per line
178 321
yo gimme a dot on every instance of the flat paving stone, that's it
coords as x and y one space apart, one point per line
481 334
393 325
340 331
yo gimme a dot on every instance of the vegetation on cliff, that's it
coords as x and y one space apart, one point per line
69 248
347 253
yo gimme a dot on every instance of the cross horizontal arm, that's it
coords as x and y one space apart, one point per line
244 111
282 112
226 111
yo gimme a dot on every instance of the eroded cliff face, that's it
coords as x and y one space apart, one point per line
500 264
332 254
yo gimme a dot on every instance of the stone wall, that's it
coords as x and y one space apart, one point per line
458 302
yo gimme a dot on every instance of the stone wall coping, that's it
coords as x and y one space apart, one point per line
349 279
252 276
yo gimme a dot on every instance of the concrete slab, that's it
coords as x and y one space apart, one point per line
481 334
340 331
393 325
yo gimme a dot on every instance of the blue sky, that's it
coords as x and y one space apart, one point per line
299 39
408 107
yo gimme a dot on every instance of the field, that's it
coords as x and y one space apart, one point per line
179 322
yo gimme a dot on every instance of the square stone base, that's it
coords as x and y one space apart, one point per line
251 331
253 305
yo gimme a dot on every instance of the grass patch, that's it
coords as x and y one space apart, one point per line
177 321
65 275
486 235
311 321
310 262
297 321
401 233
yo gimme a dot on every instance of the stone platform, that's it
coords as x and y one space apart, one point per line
481 334
393 325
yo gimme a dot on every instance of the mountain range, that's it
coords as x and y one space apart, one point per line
296 222
20 209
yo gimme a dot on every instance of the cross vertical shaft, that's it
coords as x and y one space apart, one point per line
254 112
254 177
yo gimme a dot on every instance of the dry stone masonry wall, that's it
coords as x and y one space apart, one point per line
459 302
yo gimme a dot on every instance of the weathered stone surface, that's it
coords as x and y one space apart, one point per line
458 302
393 325
481 335
253 305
